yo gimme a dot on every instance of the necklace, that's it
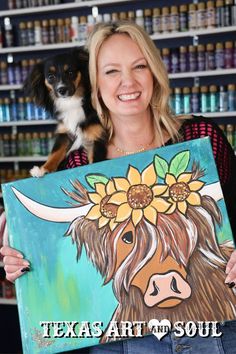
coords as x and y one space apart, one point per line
125 152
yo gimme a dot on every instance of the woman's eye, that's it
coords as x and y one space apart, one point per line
141 66
128 237
112 71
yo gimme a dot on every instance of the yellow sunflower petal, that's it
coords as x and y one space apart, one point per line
118 198
102 222
182 206
194 198
150 214
100 189
133 176
159 189
94 213
171 209
184 177
110 187
137 215
195 185
113 224
149 176
170 179
123 212
94 198
160 205
121 184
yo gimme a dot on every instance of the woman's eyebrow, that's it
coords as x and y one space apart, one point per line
117 64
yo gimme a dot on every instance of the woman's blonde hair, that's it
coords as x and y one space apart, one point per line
159 105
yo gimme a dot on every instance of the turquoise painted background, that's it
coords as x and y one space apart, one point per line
59 288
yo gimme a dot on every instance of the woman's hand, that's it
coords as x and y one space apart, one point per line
14 263
231 270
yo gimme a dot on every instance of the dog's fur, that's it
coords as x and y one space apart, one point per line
60 84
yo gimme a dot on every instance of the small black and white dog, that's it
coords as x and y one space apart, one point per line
60 84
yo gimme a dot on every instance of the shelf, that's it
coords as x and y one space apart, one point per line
10 87
35 48
59 7
1 263
192 33
216 114
23 158
28 122
203 73
4 301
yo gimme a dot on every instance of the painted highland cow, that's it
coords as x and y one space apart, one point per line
155 241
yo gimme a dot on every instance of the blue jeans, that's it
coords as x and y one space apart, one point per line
226 344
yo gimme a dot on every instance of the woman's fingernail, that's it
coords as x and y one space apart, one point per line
26 263
227 280
231 285
227 270
26 269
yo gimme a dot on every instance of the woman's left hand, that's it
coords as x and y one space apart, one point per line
231 270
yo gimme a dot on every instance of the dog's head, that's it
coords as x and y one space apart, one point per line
60 76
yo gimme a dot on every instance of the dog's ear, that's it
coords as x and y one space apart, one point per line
34 86
81 54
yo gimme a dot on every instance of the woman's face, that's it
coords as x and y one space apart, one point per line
125 81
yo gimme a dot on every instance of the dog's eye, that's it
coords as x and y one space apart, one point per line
51 77
128 237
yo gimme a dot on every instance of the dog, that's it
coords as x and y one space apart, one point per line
60 85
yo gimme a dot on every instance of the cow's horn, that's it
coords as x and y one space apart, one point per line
51 213
213 190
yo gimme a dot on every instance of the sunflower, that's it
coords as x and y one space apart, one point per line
102 210
182 191
137 196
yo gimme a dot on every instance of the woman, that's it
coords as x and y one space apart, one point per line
130 92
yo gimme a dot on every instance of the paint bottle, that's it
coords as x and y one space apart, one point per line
139 19
43 144
30 112
131 16
21 109
228 55
156 20
6 145
220 13
233 13
8 32
210 57
36 148
227 12
1 114
219 55
148 21
174 19
183 58
195 99
231 97
192 57
213 98
6 110
166 58
59 31
37 33
10 74
174 59
45 32
192 17
234 55
186 100
13 106
24 69
20 144
23 34
165 19
201 15
82 28
28 144
67 26
223 99
230 134
210 14
3 73
13 144
123 17
50 140
204 99
30 33
178 100
183 18
201 63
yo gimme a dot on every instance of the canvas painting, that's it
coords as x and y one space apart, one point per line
137 239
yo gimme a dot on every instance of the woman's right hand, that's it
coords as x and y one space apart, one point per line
14 263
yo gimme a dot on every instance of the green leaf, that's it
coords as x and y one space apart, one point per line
161 166
98 178
179 163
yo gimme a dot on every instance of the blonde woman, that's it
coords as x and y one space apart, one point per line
130 91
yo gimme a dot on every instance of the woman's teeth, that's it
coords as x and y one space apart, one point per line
127 97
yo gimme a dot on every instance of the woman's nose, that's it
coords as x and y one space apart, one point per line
127 78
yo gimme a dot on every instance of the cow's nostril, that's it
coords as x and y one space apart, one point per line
173 286
156 289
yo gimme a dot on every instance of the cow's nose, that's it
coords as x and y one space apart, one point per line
62 91
162 287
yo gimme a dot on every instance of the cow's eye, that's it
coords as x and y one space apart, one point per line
128 237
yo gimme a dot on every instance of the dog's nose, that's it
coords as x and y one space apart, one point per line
62 91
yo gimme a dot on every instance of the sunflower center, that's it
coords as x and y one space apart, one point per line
179 191
139 196
107 209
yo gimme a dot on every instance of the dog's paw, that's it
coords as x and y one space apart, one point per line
37 171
